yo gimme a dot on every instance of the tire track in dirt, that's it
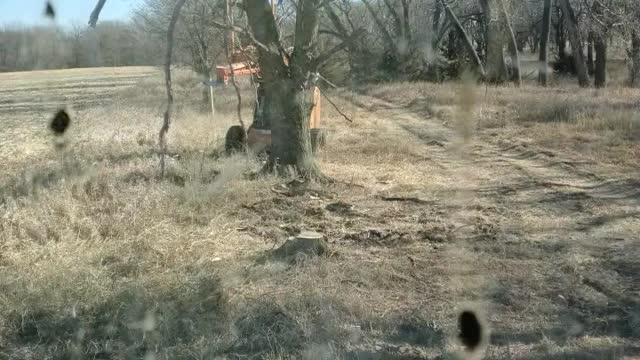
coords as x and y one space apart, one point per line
561 233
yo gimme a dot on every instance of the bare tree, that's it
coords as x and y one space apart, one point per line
167 75
287 78
576 42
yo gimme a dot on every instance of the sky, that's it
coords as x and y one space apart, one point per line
68 12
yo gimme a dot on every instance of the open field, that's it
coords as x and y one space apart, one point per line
521 203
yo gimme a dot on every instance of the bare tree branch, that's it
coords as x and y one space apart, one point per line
229 20
95 14
335 106
343 45
397 23
467 40
388 39
167 76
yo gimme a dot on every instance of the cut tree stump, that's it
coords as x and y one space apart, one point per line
306 244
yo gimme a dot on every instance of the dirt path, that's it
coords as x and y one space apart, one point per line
553 245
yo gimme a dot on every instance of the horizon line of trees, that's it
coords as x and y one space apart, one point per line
39 47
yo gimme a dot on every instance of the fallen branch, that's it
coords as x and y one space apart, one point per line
335 107
408 199
167 76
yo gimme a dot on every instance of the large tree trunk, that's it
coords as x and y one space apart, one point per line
495 68
543 73
634 76
601 61
576 42
285 96
513 46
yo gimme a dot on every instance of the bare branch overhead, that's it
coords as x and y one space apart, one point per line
95 14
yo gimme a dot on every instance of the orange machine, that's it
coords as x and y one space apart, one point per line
241 64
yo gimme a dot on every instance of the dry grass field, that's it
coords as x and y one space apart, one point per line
521 203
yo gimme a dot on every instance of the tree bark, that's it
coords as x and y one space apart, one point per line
634 75
576 42
513 46
285 94
495 68
543 73
601 61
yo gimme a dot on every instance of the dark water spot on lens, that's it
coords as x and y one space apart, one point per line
49 11
470 330
60 122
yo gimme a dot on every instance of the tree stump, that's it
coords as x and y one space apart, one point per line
306 244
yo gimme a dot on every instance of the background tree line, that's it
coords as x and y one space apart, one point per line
382 39
47 47
433 40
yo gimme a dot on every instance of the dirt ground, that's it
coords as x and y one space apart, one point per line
442 200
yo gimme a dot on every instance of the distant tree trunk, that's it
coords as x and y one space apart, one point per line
576 42
405 20
495 68
544 44
535 41
513 46
561 41
634 80
590 58
601 61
